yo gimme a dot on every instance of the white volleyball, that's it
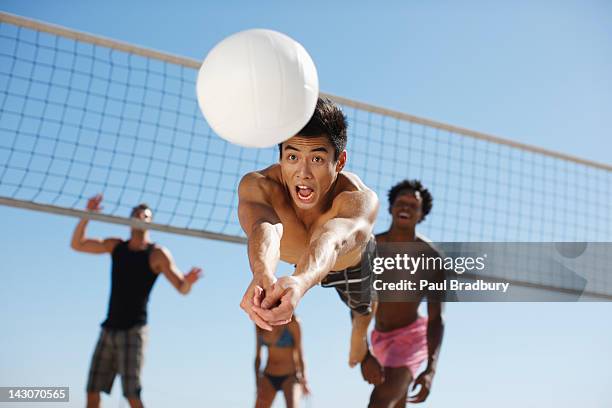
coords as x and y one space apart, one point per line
257 88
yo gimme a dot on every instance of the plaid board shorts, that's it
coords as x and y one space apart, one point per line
118 352
354 284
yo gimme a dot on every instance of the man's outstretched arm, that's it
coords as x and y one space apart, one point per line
264 231
81 243
164 263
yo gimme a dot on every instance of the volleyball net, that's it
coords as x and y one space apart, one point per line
81 115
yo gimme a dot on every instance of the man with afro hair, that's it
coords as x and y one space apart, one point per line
402 340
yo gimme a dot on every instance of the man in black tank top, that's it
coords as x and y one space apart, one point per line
136 264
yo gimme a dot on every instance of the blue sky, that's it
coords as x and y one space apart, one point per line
534 73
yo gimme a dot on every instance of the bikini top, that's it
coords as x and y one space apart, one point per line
285 340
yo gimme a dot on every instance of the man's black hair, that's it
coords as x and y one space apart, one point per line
327 120
412 186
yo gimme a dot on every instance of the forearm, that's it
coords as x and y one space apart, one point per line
435 332
318 259
182 283
300 372
264 248
301 369
298 359
257 365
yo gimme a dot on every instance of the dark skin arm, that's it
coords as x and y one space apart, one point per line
435 332
371 370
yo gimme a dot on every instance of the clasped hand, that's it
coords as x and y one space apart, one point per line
271 302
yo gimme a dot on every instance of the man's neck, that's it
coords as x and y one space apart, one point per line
139 239
399 234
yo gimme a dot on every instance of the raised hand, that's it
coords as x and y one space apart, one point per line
193 275
93 204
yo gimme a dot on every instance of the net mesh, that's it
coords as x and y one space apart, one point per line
79 118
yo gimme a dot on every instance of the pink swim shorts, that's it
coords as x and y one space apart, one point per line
403 347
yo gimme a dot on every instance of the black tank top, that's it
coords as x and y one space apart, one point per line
131 283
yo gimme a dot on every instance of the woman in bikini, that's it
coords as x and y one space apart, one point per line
284 369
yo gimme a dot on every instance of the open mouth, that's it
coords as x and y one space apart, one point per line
304 193
403 215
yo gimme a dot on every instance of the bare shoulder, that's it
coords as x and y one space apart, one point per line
351 182
111 243
382 237
159 253
260 184
113 240
353 194
429 246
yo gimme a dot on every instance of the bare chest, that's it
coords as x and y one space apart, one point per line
297 236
